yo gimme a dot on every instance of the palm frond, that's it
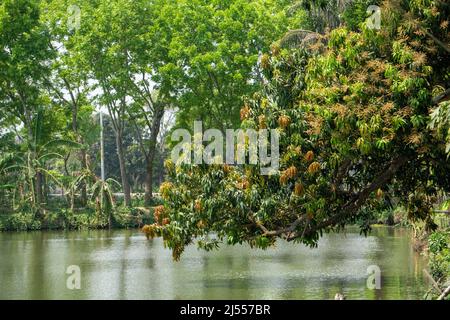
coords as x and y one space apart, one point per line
96 189
61 143
50 156
112 182
298 38
85 175
17 167
9 159
49 174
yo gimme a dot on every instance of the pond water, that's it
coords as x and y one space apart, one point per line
125 265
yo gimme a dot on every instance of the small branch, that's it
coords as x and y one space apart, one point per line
55 90
289 229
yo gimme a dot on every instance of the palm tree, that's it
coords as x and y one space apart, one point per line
323 13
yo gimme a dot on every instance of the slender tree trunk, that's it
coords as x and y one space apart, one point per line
38 187
81 153
39 178
22 194
30 160
72 200
156 124
123 170
45 189
83 198
149 180
135 179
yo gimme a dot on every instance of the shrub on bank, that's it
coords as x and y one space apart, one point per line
439 249
439 264
19 222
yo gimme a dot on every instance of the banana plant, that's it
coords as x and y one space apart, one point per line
102 194
10 172
6 185
72 184
30 166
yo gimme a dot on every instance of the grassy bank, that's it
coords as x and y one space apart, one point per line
55 215
66 219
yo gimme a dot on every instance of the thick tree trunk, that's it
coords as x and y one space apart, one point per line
123 170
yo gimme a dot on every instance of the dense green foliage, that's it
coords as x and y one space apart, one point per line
439 255
363 117
362 112
352 108
136 61
215 47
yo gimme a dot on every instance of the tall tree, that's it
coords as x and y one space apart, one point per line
128 61
216 46
102 48
67 82
202 73
24 56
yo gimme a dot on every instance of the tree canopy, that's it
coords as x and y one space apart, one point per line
353 111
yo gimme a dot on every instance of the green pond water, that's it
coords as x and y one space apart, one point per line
125 265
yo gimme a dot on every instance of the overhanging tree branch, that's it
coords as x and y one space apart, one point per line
357 201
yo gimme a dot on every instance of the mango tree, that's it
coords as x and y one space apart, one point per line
352 110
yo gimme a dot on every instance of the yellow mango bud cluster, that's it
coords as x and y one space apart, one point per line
288 174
